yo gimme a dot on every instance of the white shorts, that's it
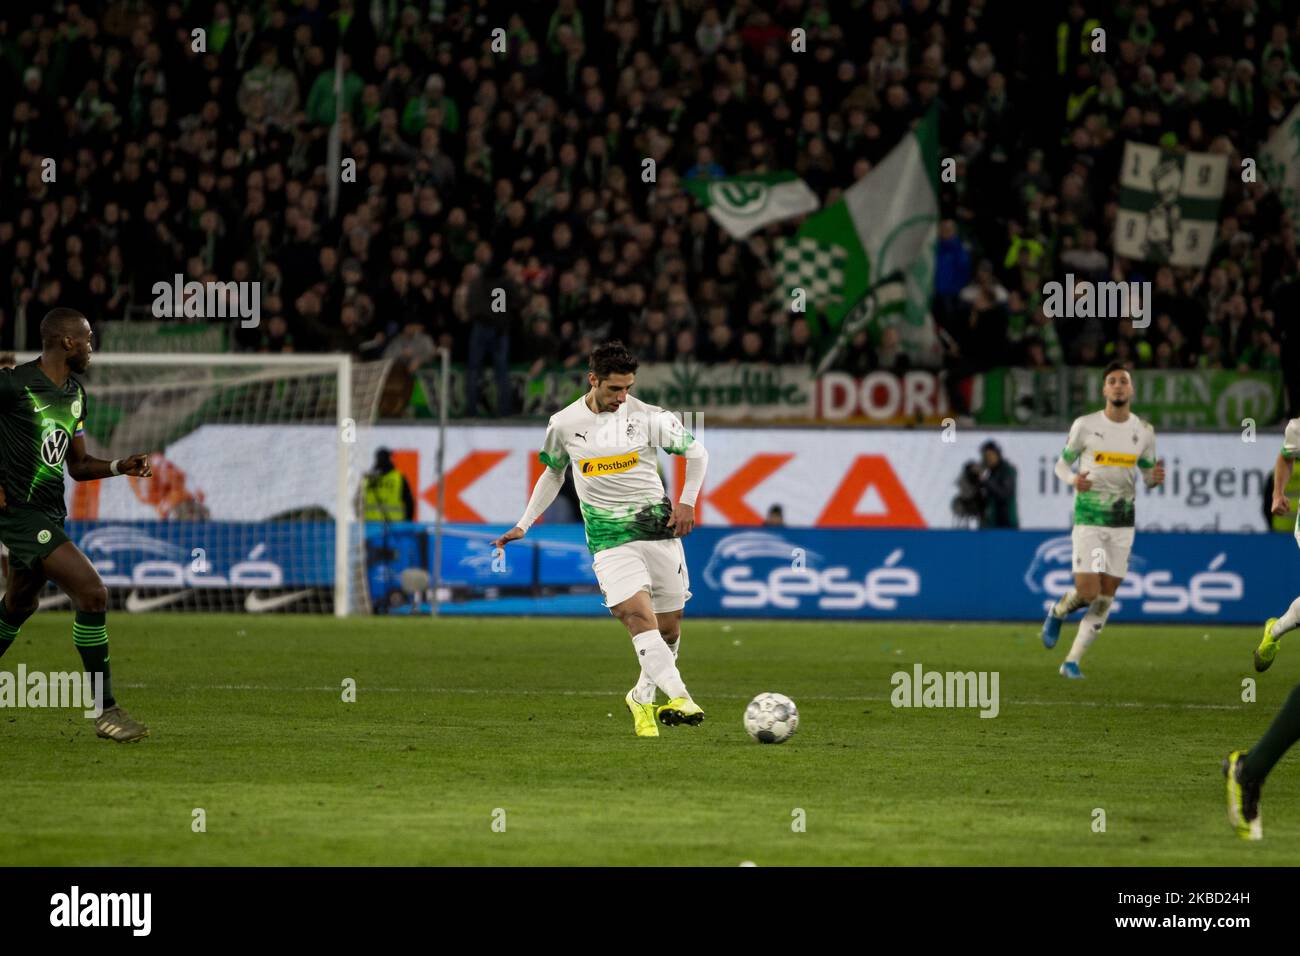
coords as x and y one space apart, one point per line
658 567
1098 549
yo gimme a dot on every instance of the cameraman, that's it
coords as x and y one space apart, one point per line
998 484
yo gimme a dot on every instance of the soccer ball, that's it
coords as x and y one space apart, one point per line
771 718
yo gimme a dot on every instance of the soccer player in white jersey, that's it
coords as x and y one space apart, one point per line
633 529
1108 445
1275 627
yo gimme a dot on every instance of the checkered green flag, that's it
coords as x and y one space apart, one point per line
882 229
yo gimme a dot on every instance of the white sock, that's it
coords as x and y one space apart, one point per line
1289 620
1090 627
644 692
659 663
1069 603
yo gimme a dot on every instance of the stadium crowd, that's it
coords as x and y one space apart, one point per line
522 170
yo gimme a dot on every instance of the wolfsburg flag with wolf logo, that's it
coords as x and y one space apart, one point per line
869 257
744 204
1169 205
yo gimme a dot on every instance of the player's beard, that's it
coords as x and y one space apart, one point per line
78 362
1121 402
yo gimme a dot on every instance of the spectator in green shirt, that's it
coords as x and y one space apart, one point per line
320 101
434 97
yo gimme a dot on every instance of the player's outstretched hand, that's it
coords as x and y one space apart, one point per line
1281 505
1083 482
682 521
137 466
514 534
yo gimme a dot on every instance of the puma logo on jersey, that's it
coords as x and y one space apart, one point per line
611 465
581 435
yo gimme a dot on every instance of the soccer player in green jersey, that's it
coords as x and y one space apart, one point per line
42 421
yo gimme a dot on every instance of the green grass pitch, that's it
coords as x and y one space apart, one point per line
456 719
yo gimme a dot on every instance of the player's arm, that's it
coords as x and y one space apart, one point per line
1281 476
1283 466
1069 455
1152 468
676 440
549 483
82 467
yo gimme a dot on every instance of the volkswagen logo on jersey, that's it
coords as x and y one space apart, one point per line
54 446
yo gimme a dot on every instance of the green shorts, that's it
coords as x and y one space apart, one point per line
30 535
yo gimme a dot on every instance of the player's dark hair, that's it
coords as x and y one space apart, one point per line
612 358
58 323
1116 367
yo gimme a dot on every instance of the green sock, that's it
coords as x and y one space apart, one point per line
1281 734
90 634
8 628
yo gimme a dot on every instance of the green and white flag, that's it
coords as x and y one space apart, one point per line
1169 205
1280 164
871 253
744 204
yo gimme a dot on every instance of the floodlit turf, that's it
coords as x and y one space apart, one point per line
456 719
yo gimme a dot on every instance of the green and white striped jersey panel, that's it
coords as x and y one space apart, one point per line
616 467
1110 452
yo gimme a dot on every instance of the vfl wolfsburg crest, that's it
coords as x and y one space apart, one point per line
76 408
739 198
1169 205
744 204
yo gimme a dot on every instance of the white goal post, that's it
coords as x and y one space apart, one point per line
245 439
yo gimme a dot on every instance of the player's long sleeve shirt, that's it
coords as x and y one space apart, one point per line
615 469
1109 452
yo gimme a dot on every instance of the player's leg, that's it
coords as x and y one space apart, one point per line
624 576
1247 771
637 615
670 628
1274 628
1108 555
72 571
1095 619
625 581
22 596
669 592
1074 598
1087 588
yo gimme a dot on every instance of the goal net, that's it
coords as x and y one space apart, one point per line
254 503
